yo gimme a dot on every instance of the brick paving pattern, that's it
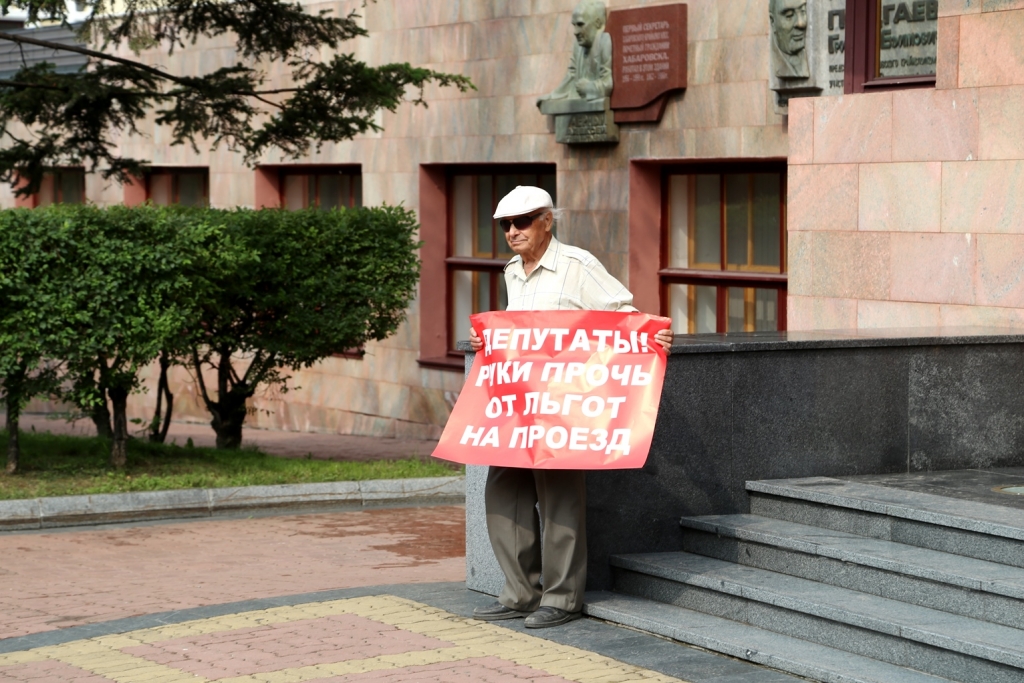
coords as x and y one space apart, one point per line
246 588
377 638
73 577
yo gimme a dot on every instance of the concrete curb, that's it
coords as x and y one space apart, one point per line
58 511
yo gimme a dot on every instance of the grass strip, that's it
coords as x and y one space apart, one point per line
60 465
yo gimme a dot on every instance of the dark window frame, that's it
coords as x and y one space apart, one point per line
34 200
493 266
175 172
862 34
724 278
355 170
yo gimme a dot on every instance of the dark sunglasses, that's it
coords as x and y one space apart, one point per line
521 222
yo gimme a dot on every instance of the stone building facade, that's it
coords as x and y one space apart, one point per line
897 203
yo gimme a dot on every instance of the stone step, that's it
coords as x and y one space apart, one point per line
764 647
917 637
952 583
960 527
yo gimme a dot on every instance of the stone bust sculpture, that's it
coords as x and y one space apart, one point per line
789 38
590 70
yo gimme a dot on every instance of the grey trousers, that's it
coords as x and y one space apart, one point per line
510 497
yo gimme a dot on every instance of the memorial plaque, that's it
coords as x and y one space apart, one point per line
648 59
907 38
834 51
580 103
807 50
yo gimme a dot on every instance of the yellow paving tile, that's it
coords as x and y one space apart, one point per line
25 657
470 639
354 666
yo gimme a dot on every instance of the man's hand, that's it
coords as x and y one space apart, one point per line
664 337
475 342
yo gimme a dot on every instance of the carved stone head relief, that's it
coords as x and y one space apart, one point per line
789 36
588 21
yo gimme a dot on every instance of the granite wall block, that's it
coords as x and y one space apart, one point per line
853 129
990 51
935 125
1001 122
966 407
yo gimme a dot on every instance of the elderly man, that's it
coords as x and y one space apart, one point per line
789 37
590 70
544 275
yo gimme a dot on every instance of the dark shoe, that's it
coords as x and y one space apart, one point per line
545 617
497 612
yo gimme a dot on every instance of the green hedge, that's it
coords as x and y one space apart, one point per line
89 296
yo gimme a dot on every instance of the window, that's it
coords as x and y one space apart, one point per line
62 186
464 251
185 187
325 188
889 44
724 254
478 251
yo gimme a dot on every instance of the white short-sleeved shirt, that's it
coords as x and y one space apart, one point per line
566 278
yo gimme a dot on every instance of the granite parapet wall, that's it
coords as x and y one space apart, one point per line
737 408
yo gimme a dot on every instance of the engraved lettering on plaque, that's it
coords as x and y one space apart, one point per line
907 38
649 59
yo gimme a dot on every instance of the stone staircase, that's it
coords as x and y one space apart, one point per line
841 582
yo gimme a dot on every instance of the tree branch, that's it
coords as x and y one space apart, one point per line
198 365
92 53
20 84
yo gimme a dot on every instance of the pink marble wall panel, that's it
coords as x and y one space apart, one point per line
902 197
673 144
742 18
949 8
1001 122
718 143
981 316
820 313
701 18
1001 5
933 267
948 53
991 52
800 126
741 104
853 128
935 125
983 196
896 314
1001 270
764 141
800 263
850 265
822 197
697 109
722 61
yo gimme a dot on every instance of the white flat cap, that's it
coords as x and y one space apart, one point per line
523 200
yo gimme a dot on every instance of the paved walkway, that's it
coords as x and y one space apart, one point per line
374 595
286 444
55 580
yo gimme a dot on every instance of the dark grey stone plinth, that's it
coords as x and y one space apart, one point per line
785 405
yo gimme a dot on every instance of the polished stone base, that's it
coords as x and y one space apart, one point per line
579 122
580 129
744 407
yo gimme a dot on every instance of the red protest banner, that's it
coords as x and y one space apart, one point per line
559 390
